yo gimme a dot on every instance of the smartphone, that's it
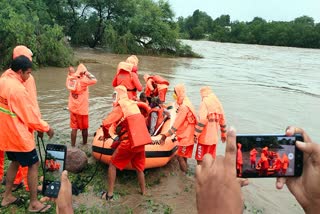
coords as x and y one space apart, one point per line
268 156
53 167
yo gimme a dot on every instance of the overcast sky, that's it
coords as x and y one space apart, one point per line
246 10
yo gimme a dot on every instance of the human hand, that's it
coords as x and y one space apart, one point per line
223 139
50 132
40 134
64 199
305 188
163 139
218 190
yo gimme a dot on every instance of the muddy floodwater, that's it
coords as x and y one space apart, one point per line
263 90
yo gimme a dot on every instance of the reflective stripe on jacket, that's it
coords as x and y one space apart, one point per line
19 115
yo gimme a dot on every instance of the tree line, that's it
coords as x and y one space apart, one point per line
49 28
301 32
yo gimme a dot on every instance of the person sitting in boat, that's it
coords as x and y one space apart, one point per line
143 98
131 141
157 116
127 76
277 163
184 126
156 86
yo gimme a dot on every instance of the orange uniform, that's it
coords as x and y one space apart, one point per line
79 96
184 123
285 163
126 152
156 86
239 160
253 156
127 77
19 117
30 85
211 120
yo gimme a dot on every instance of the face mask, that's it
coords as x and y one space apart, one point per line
174 96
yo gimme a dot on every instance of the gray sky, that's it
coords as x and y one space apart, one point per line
246 10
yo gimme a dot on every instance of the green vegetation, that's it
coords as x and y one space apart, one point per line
301 32
124 26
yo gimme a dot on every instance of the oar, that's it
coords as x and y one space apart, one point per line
158 129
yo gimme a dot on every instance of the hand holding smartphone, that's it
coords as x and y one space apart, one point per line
268 156
54 166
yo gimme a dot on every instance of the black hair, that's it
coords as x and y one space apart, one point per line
21 63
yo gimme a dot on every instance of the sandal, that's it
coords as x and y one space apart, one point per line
108 198
19 202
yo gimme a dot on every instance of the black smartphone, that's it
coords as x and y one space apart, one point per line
268 156
54 166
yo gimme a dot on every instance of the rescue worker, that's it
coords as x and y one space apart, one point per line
277 163
239 160
19 116
127 76
77 83
285 163
253 158
22 174
124 127
211 120
183 126
157 116
156 86
264 162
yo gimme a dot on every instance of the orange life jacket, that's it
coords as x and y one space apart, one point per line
159 80
159 112
138 134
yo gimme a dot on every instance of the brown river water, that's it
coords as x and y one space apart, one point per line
263 90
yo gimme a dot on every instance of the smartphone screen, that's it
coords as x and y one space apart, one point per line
54 165
268 156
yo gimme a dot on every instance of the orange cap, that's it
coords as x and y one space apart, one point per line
22 50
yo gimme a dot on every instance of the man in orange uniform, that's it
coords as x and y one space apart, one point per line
77 83
239 160
183 126
211 120
19 116
156 86
120 130
253 157
30 85
128 77
285 163
264 162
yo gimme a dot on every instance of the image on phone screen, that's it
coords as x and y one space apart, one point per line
54 165
268 156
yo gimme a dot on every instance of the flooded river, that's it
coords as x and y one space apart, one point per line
263 89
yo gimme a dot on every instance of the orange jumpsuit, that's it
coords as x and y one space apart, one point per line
22 173
124 153
211 121
285 163
239 160
127 78
79 99
184 123
253 157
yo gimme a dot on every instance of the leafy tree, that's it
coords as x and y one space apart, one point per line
20 24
